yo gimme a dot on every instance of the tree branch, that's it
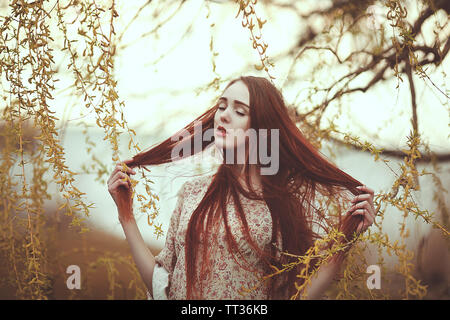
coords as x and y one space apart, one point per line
413 96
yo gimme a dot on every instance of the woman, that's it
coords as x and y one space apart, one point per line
230 229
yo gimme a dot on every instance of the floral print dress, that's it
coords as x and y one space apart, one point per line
228 273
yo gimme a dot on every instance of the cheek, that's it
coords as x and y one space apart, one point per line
243 122
240 135
240 125
247 123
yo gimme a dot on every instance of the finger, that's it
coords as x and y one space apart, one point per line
364 205
129 171
126 178
117 184
362 197
361 228
113 173
365 189
364 213
358 212
368 206
117 168
367 217
121 176
358 205
123 168
372 212
127 162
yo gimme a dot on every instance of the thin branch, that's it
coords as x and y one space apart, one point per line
413 96
427 158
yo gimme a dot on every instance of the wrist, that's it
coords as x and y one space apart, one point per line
126 222
126 217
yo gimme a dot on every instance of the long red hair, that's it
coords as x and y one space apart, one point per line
290 194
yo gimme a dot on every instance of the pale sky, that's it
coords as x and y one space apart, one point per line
154 93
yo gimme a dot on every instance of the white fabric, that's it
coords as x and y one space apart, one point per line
160 282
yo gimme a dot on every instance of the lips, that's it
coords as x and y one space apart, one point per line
222 130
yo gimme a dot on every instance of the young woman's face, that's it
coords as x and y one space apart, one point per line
233 115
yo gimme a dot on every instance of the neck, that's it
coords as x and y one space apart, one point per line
239 171
255 180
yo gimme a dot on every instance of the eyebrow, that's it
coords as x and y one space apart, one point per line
235 102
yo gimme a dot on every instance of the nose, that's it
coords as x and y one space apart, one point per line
224 116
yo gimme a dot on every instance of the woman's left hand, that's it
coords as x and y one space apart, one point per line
363 205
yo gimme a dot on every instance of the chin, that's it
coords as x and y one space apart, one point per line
226 143
221 142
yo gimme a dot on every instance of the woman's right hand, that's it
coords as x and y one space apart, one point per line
121 189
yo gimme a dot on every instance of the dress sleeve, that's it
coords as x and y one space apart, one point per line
160 282
166 259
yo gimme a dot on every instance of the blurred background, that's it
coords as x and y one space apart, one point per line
365 81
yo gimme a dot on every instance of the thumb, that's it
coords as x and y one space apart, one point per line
129 162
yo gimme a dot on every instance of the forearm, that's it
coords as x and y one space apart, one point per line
143 258
322 279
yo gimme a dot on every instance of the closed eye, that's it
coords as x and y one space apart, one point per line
222 106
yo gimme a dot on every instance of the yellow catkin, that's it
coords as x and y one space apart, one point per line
31 141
